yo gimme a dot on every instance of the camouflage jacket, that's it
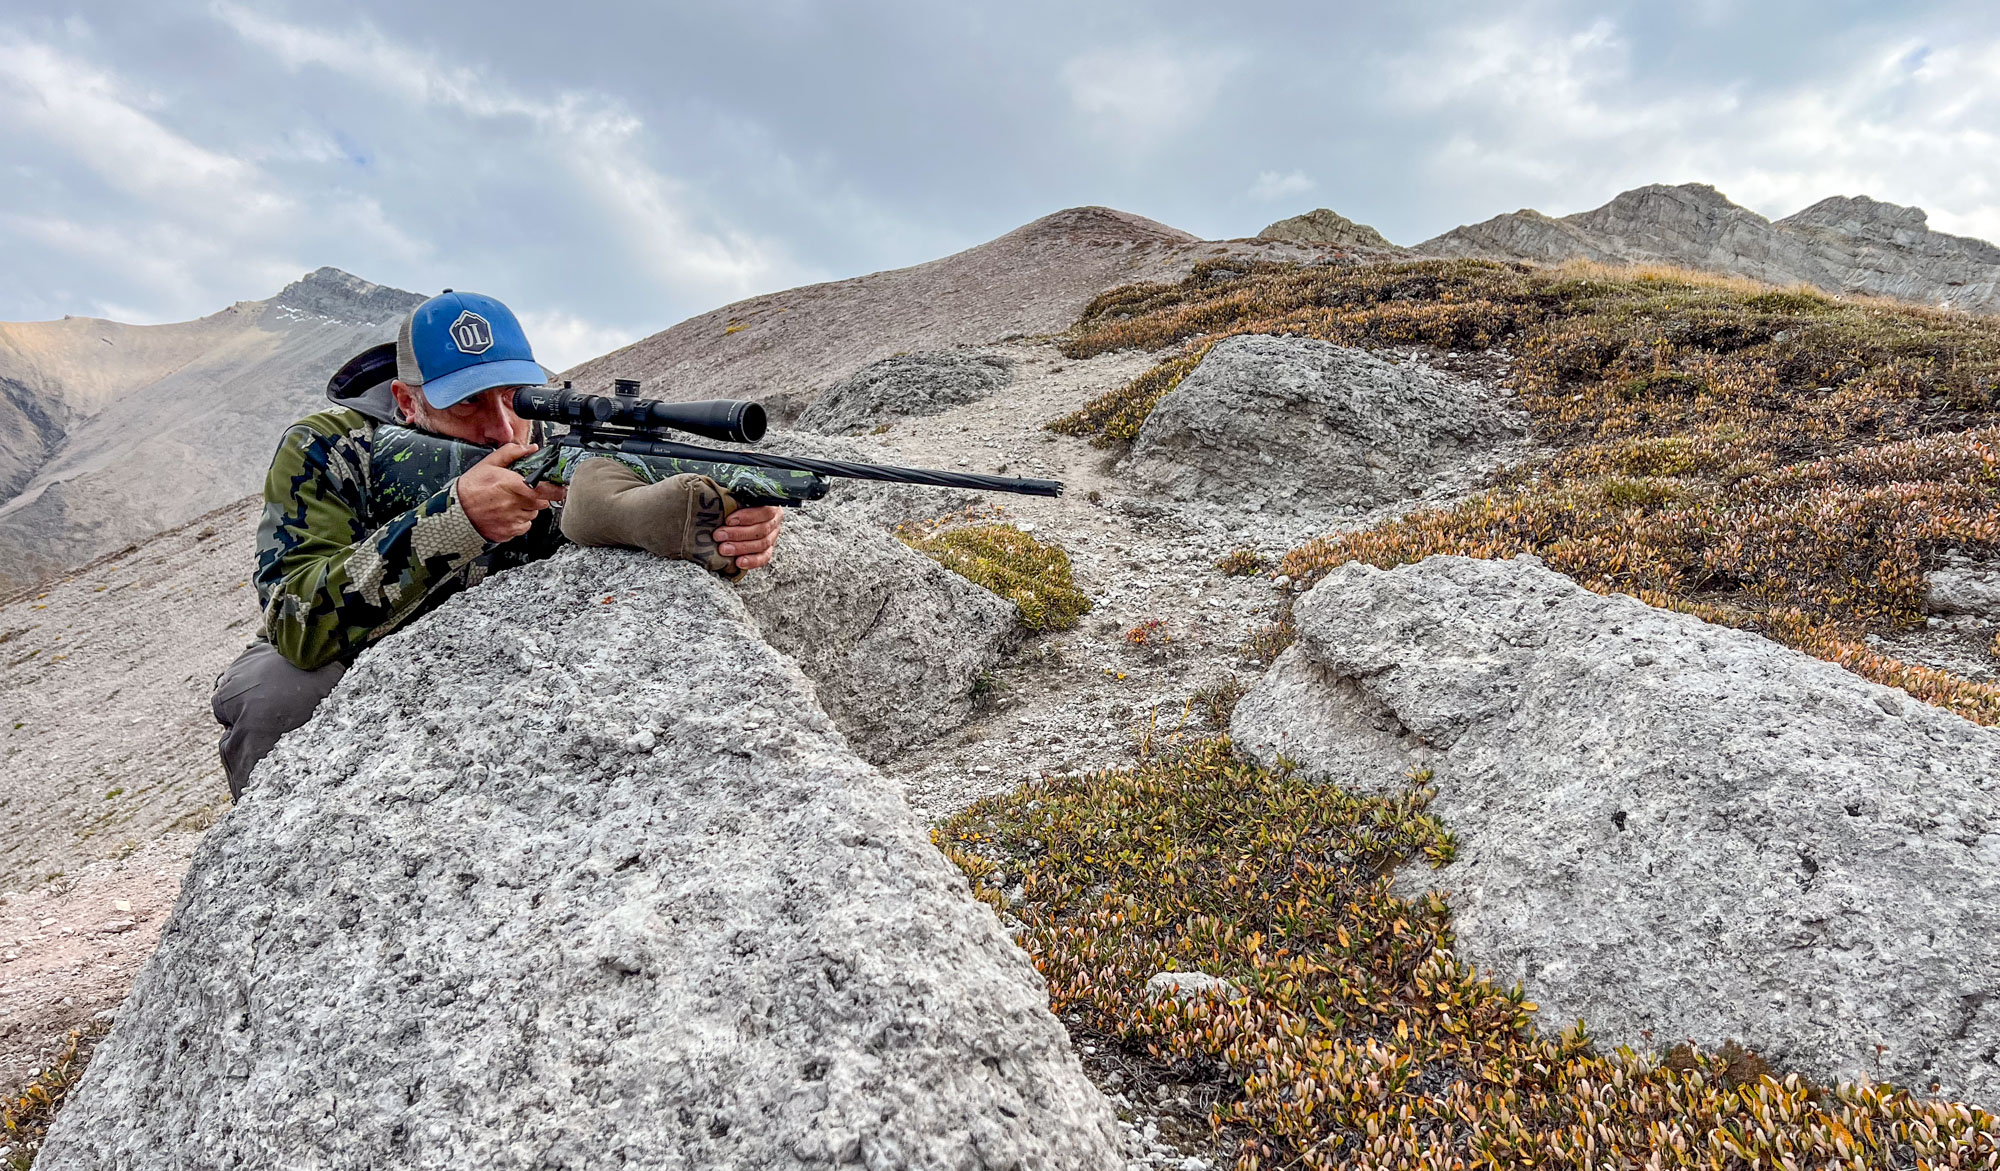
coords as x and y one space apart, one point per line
336 571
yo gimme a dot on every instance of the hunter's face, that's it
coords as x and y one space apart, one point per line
487 417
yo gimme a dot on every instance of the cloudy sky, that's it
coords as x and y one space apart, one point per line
610 168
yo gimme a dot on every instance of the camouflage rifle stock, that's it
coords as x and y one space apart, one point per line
409 465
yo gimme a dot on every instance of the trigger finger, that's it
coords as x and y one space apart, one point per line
735 530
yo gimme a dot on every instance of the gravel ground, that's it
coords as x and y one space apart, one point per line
69 949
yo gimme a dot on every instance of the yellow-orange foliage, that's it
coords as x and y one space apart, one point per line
1352 1037
1774 459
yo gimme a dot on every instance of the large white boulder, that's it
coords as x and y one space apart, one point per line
1668 829
1295 424
575 873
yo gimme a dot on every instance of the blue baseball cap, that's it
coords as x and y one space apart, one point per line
457 344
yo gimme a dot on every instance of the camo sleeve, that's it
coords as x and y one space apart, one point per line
329 584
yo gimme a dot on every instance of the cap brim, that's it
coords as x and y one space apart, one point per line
460 385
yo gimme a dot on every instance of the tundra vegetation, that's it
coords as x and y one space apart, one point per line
1032 574
1777 460
25 1113
1348 1035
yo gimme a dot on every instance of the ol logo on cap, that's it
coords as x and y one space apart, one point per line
471 333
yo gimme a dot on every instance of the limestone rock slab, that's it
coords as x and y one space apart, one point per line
575 873
904 385
1668 829
1294 424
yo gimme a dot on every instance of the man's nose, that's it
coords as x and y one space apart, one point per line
495 425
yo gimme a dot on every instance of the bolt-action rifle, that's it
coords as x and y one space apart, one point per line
413 464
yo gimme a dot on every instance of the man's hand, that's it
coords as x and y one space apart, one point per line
497 500
750 535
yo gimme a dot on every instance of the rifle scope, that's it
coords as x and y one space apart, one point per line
729 420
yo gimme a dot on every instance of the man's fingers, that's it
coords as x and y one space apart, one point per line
519 492
553 493
749 560
757 515
737 530
758 548
506 454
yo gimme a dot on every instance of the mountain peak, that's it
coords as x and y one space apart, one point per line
1094 225
1855 213
1664 201
330 293
1325 226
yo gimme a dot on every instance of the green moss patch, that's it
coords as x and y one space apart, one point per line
1033 575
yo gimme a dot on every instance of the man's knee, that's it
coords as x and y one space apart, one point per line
260 697
264 690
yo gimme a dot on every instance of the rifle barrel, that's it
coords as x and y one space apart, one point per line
670 449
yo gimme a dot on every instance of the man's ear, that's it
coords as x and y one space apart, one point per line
407 400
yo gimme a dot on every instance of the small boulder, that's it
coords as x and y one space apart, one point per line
903 386
1189 986
1668 829
1298 425
572 874
1957 591
893 641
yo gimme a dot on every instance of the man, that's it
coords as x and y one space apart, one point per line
335 574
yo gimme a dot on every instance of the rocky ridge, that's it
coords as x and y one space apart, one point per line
1326 226
1841 244
1668 829
110 433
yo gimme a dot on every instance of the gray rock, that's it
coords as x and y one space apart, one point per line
1325 226
892 640
1668 829
1974 592
1841 244
1300 425
905 385
1188 985
597 885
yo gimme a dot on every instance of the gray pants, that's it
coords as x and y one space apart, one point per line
259 698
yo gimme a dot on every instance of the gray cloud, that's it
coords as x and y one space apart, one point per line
609 169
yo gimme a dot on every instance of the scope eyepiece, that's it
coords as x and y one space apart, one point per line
729 420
